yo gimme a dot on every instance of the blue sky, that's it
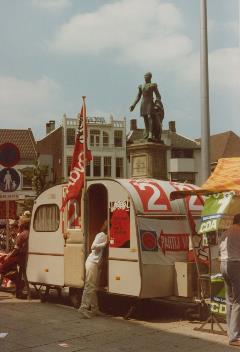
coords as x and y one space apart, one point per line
55 51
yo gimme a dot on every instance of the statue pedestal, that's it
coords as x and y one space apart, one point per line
148 160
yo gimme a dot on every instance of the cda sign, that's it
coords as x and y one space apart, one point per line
218 212
215 224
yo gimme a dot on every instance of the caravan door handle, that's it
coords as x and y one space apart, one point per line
66 235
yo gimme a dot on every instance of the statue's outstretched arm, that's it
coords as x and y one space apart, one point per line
137 99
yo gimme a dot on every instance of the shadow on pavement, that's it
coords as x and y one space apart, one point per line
36 327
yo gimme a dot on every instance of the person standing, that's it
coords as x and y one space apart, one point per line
230 268
18 255
89 304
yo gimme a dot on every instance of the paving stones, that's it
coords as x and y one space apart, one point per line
36 327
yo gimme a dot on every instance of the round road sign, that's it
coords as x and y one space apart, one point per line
9 154
9 180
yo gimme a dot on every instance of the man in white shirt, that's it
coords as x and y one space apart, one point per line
230 268
89 305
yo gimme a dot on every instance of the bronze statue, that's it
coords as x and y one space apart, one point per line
152 111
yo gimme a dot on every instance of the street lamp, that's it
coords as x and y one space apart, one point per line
205 121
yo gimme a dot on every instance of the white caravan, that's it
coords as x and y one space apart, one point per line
148 235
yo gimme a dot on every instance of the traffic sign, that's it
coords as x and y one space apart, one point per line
9 196
9 180
9 154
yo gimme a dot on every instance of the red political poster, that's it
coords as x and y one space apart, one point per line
120 224
173 242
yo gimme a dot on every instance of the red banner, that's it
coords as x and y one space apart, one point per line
78 165
173 242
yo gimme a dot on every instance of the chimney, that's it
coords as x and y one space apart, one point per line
50 126
172 126
133 125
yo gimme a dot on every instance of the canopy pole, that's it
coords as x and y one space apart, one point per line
192 232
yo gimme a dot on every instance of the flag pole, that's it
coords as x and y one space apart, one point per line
84 141
84 194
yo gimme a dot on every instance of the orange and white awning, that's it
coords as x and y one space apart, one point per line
225 177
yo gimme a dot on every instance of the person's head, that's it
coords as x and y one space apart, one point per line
148 77
27 213
104 226
24 222
236 219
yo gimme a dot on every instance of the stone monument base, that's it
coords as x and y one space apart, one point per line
148 159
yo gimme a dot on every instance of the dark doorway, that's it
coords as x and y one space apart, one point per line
97 213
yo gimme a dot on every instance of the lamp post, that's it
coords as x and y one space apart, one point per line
205 121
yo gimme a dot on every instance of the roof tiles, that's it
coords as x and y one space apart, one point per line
23 139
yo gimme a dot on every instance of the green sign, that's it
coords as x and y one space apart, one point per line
218 300
218 211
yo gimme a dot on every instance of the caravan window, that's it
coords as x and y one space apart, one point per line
46 218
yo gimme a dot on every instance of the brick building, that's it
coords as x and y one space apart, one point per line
20 175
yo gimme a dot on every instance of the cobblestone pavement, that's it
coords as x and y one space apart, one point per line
36 327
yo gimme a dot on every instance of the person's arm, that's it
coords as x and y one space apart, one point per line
132 107
20 242
98 246
11 254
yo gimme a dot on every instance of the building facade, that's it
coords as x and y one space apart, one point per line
183 154
106 140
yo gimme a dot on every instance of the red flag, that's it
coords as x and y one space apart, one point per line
80 156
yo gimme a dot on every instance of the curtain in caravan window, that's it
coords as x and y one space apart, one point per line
47 218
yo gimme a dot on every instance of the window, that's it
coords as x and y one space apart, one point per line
105 139
94 138
46 218
69 162
119 167
70 136
183 177
96 166
181 153
27 175
118 138
107 166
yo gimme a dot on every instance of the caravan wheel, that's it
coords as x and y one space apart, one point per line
75 296
44 293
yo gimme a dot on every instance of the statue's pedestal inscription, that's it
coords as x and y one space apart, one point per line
148 160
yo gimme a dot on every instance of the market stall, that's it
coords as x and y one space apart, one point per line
222 203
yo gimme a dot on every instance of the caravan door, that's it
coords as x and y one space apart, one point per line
74 249
46 244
